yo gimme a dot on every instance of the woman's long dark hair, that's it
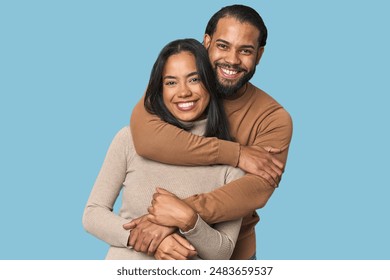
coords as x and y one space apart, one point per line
217 124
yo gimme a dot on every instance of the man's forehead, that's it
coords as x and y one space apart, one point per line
229 29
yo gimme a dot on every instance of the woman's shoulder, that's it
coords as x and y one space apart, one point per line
123 137
123 134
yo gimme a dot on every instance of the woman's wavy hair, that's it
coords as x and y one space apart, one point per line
217 124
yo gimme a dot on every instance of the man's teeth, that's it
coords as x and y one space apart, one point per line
185 105
229 72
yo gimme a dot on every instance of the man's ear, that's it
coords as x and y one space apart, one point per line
206 41
259 54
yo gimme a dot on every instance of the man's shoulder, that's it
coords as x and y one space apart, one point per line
264 100
259 94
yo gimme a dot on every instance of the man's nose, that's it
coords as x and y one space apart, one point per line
232 57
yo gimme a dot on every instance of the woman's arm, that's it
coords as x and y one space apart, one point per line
98 218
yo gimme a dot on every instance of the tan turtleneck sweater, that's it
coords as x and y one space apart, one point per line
137 178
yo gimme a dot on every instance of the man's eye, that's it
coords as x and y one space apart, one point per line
246 51
222 46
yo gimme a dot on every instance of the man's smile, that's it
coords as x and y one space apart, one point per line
229 72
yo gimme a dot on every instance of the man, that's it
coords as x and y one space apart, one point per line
235 38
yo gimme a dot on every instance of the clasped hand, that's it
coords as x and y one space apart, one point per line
168 210
157 239
262 162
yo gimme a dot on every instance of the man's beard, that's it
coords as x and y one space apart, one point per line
229 89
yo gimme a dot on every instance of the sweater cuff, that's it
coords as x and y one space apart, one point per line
195 226
228 153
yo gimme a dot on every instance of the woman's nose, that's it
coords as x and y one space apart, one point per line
184 91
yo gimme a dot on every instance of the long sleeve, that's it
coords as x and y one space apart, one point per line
98 218
189 149
216 243
221 237
249 192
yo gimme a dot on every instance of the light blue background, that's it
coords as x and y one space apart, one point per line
71 72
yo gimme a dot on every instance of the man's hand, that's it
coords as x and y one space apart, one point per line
169 210
261 162
146 236
175 247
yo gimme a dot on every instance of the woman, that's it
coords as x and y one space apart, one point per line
181 91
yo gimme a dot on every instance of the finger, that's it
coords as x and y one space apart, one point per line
163 191
145 244
138 243
278 163
277 170
133 223
273 160
133 237
273 165
268 178
183 247
274 172
183 242
152 218
164 257
130 225
153 246
177 256
272 150
182 253
173 255
151 211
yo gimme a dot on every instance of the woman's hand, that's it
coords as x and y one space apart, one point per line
175 247
169 210
145 236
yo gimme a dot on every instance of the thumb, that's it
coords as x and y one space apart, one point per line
132 224
163 191
129 225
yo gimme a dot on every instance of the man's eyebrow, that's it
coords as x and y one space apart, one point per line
222 41
242 46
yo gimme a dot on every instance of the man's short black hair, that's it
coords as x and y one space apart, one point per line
243 14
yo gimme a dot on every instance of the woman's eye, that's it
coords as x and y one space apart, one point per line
170 83
194 80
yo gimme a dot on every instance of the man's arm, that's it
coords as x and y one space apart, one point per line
169 210
151 136
249 192
188 149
